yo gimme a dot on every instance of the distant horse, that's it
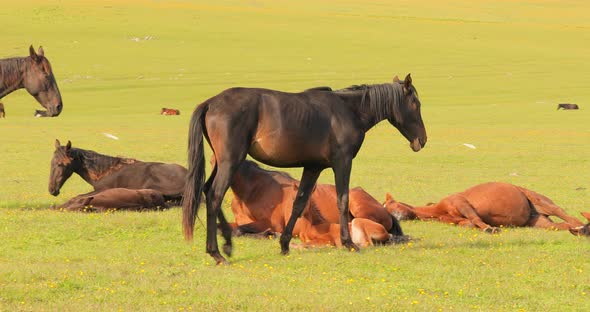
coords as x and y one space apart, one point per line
33 73
311 129
567 106
2 112
582 230
116 199
169 111
488 206
263 202
107 172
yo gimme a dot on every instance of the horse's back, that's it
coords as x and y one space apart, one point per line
277 128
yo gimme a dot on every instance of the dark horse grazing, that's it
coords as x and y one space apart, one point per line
314 129
488 206
34 74
567 106
107 172
116 199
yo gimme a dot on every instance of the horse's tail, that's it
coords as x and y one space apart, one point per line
396 228
195 178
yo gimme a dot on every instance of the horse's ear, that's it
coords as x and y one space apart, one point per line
388 197
34 55
57 144
408 81
586 215
68 146
40 51
396 79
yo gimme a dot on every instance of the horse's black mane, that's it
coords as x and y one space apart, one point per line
10 70
383 100
97 162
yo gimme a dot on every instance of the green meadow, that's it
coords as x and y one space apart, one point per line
489 73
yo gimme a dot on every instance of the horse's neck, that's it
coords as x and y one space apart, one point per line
94 167
428 212
11 75
241 186
354 100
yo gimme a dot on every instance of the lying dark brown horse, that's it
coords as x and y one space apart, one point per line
567 106
33 73
2 112
107 172
488 206
311 129
116 199
169 111
583 230
263 202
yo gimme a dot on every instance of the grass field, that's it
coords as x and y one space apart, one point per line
489 73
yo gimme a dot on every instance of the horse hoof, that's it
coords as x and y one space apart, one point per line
400 239
227 249
492 230
284 251
220 260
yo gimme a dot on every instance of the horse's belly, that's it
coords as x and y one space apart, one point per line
499 204
281 152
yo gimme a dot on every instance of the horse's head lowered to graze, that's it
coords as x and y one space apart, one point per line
582 230
62 167
408 120
39 81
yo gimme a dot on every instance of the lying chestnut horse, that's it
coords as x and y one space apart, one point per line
263 199
582 230
488 206
169 111
117 199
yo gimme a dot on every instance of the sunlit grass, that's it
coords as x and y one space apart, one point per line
489 73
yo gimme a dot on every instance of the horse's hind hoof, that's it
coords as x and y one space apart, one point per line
492 230
400 239
227 249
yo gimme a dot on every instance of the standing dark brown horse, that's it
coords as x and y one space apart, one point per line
313 129
33 73
107 172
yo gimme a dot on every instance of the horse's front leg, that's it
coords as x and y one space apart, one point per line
342 175
308 180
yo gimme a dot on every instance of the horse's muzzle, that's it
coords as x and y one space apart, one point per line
417 144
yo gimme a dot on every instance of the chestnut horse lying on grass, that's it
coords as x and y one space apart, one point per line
169 111
263 199
488 206
116 199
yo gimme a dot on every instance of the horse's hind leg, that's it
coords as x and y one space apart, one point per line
544 222
308 180
215 194
464 207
